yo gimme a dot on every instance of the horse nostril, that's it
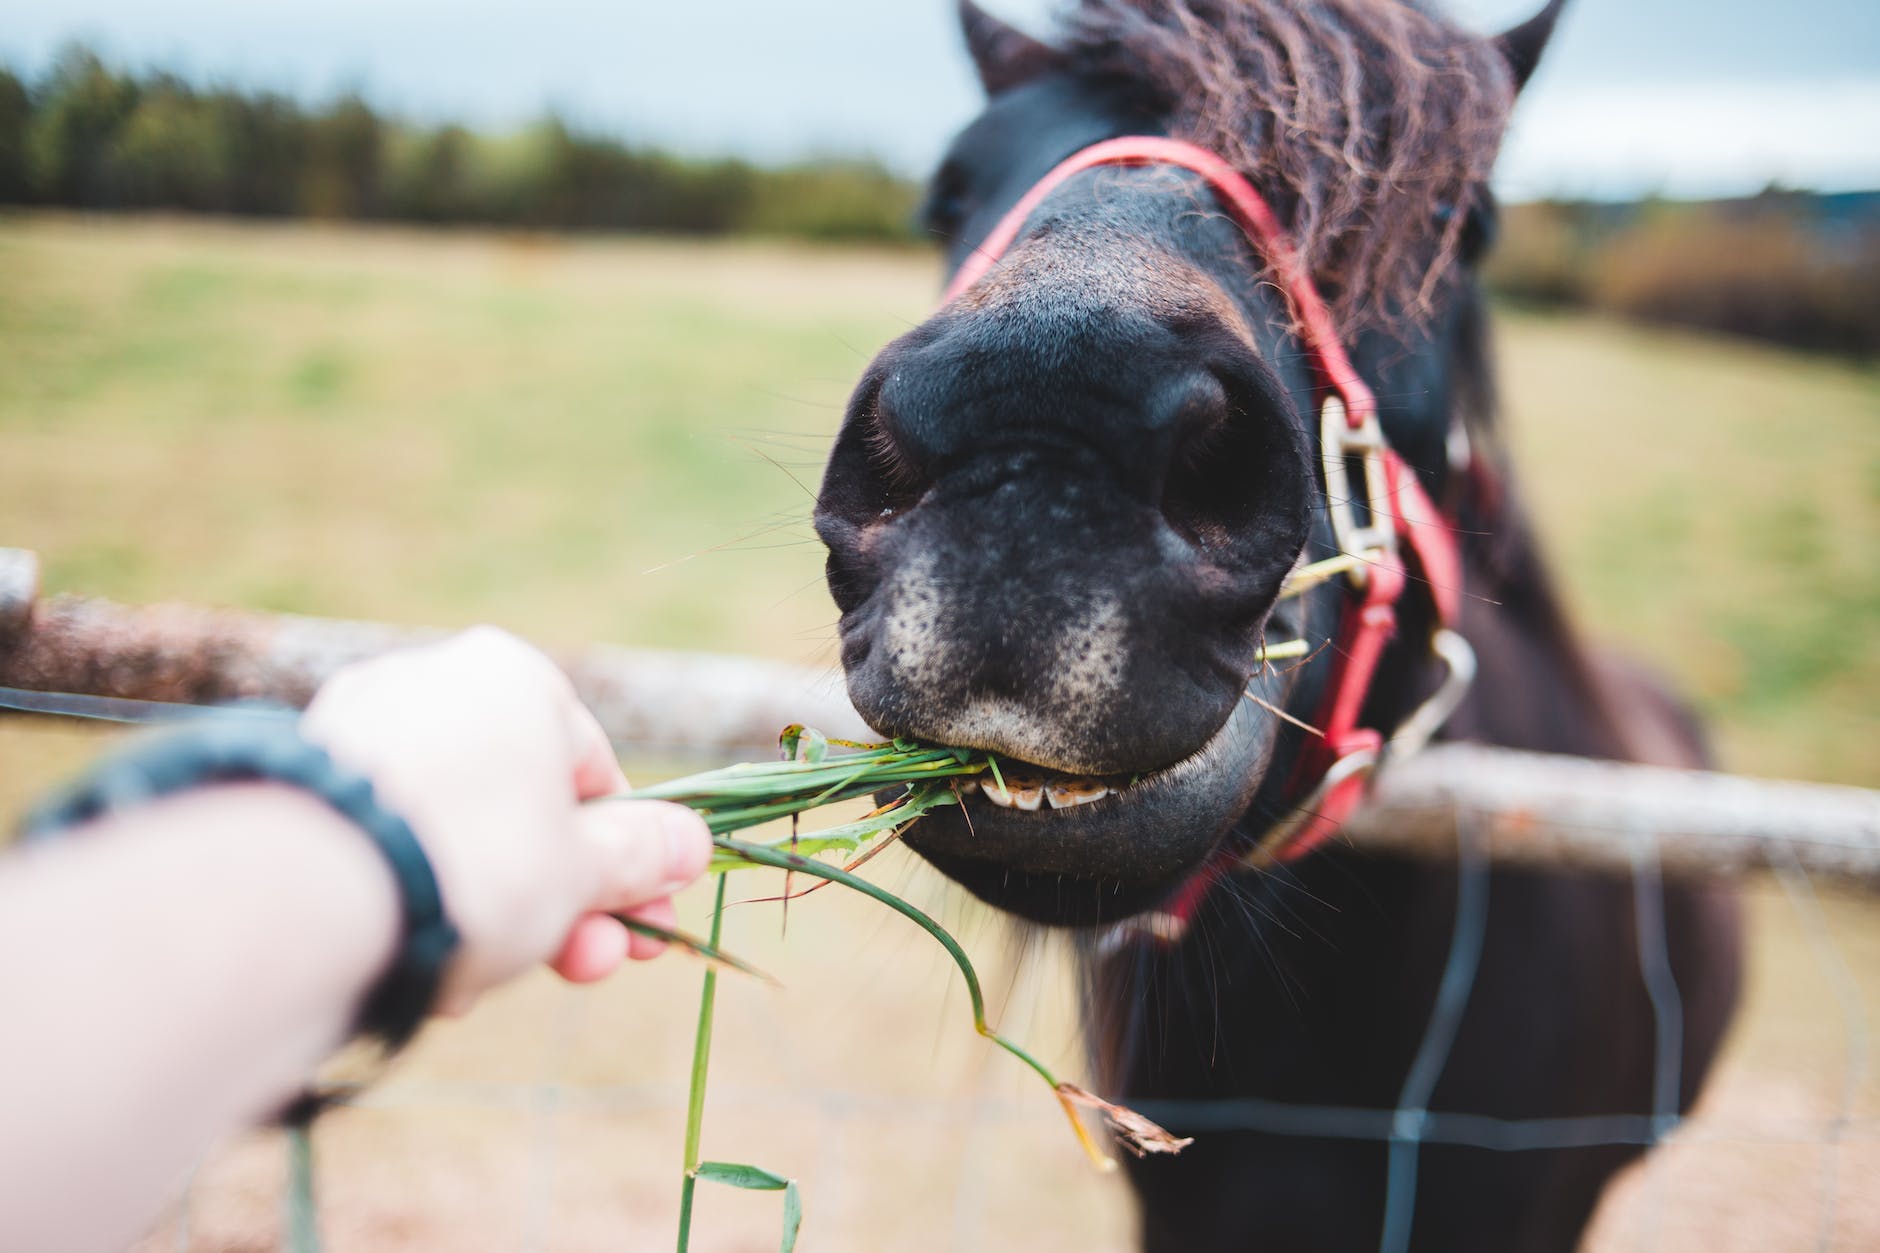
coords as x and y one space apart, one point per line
891 451
1219 476
1197 477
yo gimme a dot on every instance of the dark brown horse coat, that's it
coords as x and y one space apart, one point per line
1059 514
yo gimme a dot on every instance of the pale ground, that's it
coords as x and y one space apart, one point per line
552 1118
448 429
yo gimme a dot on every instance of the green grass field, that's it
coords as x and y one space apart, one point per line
617 441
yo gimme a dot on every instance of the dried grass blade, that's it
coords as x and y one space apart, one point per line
704 950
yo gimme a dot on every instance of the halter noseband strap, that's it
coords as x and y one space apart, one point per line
1248 209
1399 518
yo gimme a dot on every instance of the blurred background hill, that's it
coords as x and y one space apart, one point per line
1791 267
1788 266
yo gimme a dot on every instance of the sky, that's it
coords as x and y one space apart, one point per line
1678 97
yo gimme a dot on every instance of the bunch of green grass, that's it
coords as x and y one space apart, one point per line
749 794
918 779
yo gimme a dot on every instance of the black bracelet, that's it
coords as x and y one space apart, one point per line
235 748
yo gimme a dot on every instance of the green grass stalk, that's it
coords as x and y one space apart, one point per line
701 1064
302 1217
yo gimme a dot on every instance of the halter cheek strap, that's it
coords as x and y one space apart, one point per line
1398 521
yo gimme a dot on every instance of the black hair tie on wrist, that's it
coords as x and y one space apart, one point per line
230 749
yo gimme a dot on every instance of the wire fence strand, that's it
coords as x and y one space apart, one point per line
1409 1119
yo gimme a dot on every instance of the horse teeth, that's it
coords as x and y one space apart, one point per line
967 786
1032 795
1070 793
1027 792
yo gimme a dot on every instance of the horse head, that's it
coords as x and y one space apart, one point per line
1062 513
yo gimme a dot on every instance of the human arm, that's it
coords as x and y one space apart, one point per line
175 971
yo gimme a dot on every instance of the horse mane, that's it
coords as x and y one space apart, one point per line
1369 124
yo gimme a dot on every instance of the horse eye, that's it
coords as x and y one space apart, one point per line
1478 229
946 208
943 215
1478 234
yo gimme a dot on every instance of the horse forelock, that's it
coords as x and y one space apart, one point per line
1370 124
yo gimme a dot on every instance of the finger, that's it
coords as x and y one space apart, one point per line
596 770
640 851
660 913
455 1002
593 950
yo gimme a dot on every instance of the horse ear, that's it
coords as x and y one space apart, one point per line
1006 56
1522 45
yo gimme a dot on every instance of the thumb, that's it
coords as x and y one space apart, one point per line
640 851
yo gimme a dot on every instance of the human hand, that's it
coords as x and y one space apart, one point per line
481 745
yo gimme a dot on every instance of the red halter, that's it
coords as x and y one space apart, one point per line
1332 770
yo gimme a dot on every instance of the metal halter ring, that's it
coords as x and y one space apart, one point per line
1264 855
1340 443
1427 719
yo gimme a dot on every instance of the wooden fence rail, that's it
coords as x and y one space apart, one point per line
1533 809
184 653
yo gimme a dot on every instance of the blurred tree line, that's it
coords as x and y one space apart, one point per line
1793 267
86 135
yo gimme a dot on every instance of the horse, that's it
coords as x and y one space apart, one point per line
1214 375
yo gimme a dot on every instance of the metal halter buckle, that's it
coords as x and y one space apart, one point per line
1415 731
1340 444
1265 854
1412 734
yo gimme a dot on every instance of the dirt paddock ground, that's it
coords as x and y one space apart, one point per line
551 1119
